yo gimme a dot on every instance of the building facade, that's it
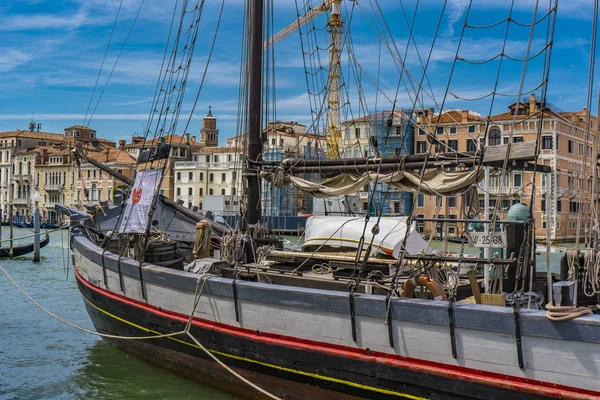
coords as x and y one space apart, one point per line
33 161
380 135
562 148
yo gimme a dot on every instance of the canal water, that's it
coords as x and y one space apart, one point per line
41 358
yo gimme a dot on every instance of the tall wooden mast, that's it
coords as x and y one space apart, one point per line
254 114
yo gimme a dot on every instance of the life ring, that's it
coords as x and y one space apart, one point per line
434 287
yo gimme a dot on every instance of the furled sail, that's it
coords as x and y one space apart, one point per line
435 182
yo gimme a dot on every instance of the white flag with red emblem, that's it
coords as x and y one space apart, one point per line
135 215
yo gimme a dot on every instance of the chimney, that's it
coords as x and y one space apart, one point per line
464 115
430 112
187 138
532 103
122 143
107 152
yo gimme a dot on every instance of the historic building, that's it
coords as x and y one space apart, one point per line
380 135
32 161
217 170
562 148
182 148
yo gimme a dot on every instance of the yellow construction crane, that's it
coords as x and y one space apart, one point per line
335 26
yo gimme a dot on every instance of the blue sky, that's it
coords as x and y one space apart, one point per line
51 51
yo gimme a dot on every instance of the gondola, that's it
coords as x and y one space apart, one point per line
23 249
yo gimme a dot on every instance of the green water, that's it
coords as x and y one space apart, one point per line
41 358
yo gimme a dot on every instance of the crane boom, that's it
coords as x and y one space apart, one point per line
294 26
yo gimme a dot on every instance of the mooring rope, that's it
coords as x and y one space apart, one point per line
198 294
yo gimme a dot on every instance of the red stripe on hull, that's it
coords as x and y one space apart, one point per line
423 366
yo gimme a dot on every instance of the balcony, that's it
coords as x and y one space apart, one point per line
502 190
206 165
22 201
54 188
21 177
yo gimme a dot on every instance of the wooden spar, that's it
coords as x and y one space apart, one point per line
254 114
423 257
167 202
331 170
370 160
521 157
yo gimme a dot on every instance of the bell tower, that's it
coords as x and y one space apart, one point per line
209 134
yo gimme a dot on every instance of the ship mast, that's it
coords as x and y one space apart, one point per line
254 114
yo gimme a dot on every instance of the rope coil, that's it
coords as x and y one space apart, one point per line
565 313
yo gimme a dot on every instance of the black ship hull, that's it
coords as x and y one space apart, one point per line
287 367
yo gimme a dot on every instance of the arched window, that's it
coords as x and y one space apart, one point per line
494 137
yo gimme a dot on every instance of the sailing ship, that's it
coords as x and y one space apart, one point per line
365 310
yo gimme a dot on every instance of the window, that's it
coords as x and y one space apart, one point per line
398 151
89 173
357 133
222 192
399 130
200 206
77 133
580 149
211 177
92 135
210 192
453 145
494 137
570 146
216 158
420 200
94 173
223 177
396 207
543 206
453 130
472 129
201 176
421 132
178 191
420 224
451 201
440 130
190 176
438 201
233 176
179 176
190 191
517 139
517 180
99 194
546 142
233 191
201 193
471 145
421 147
440 146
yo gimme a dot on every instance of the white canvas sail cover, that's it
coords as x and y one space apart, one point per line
345 232
435 182
135 216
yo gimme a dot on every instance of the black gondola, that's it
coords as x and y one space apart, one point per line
23 249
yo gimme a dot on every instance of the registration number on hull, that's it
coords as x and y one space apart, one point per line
484 239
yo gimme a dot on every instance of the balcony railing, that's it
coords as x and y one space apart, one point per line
54 187
207 165
504 190
21 200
